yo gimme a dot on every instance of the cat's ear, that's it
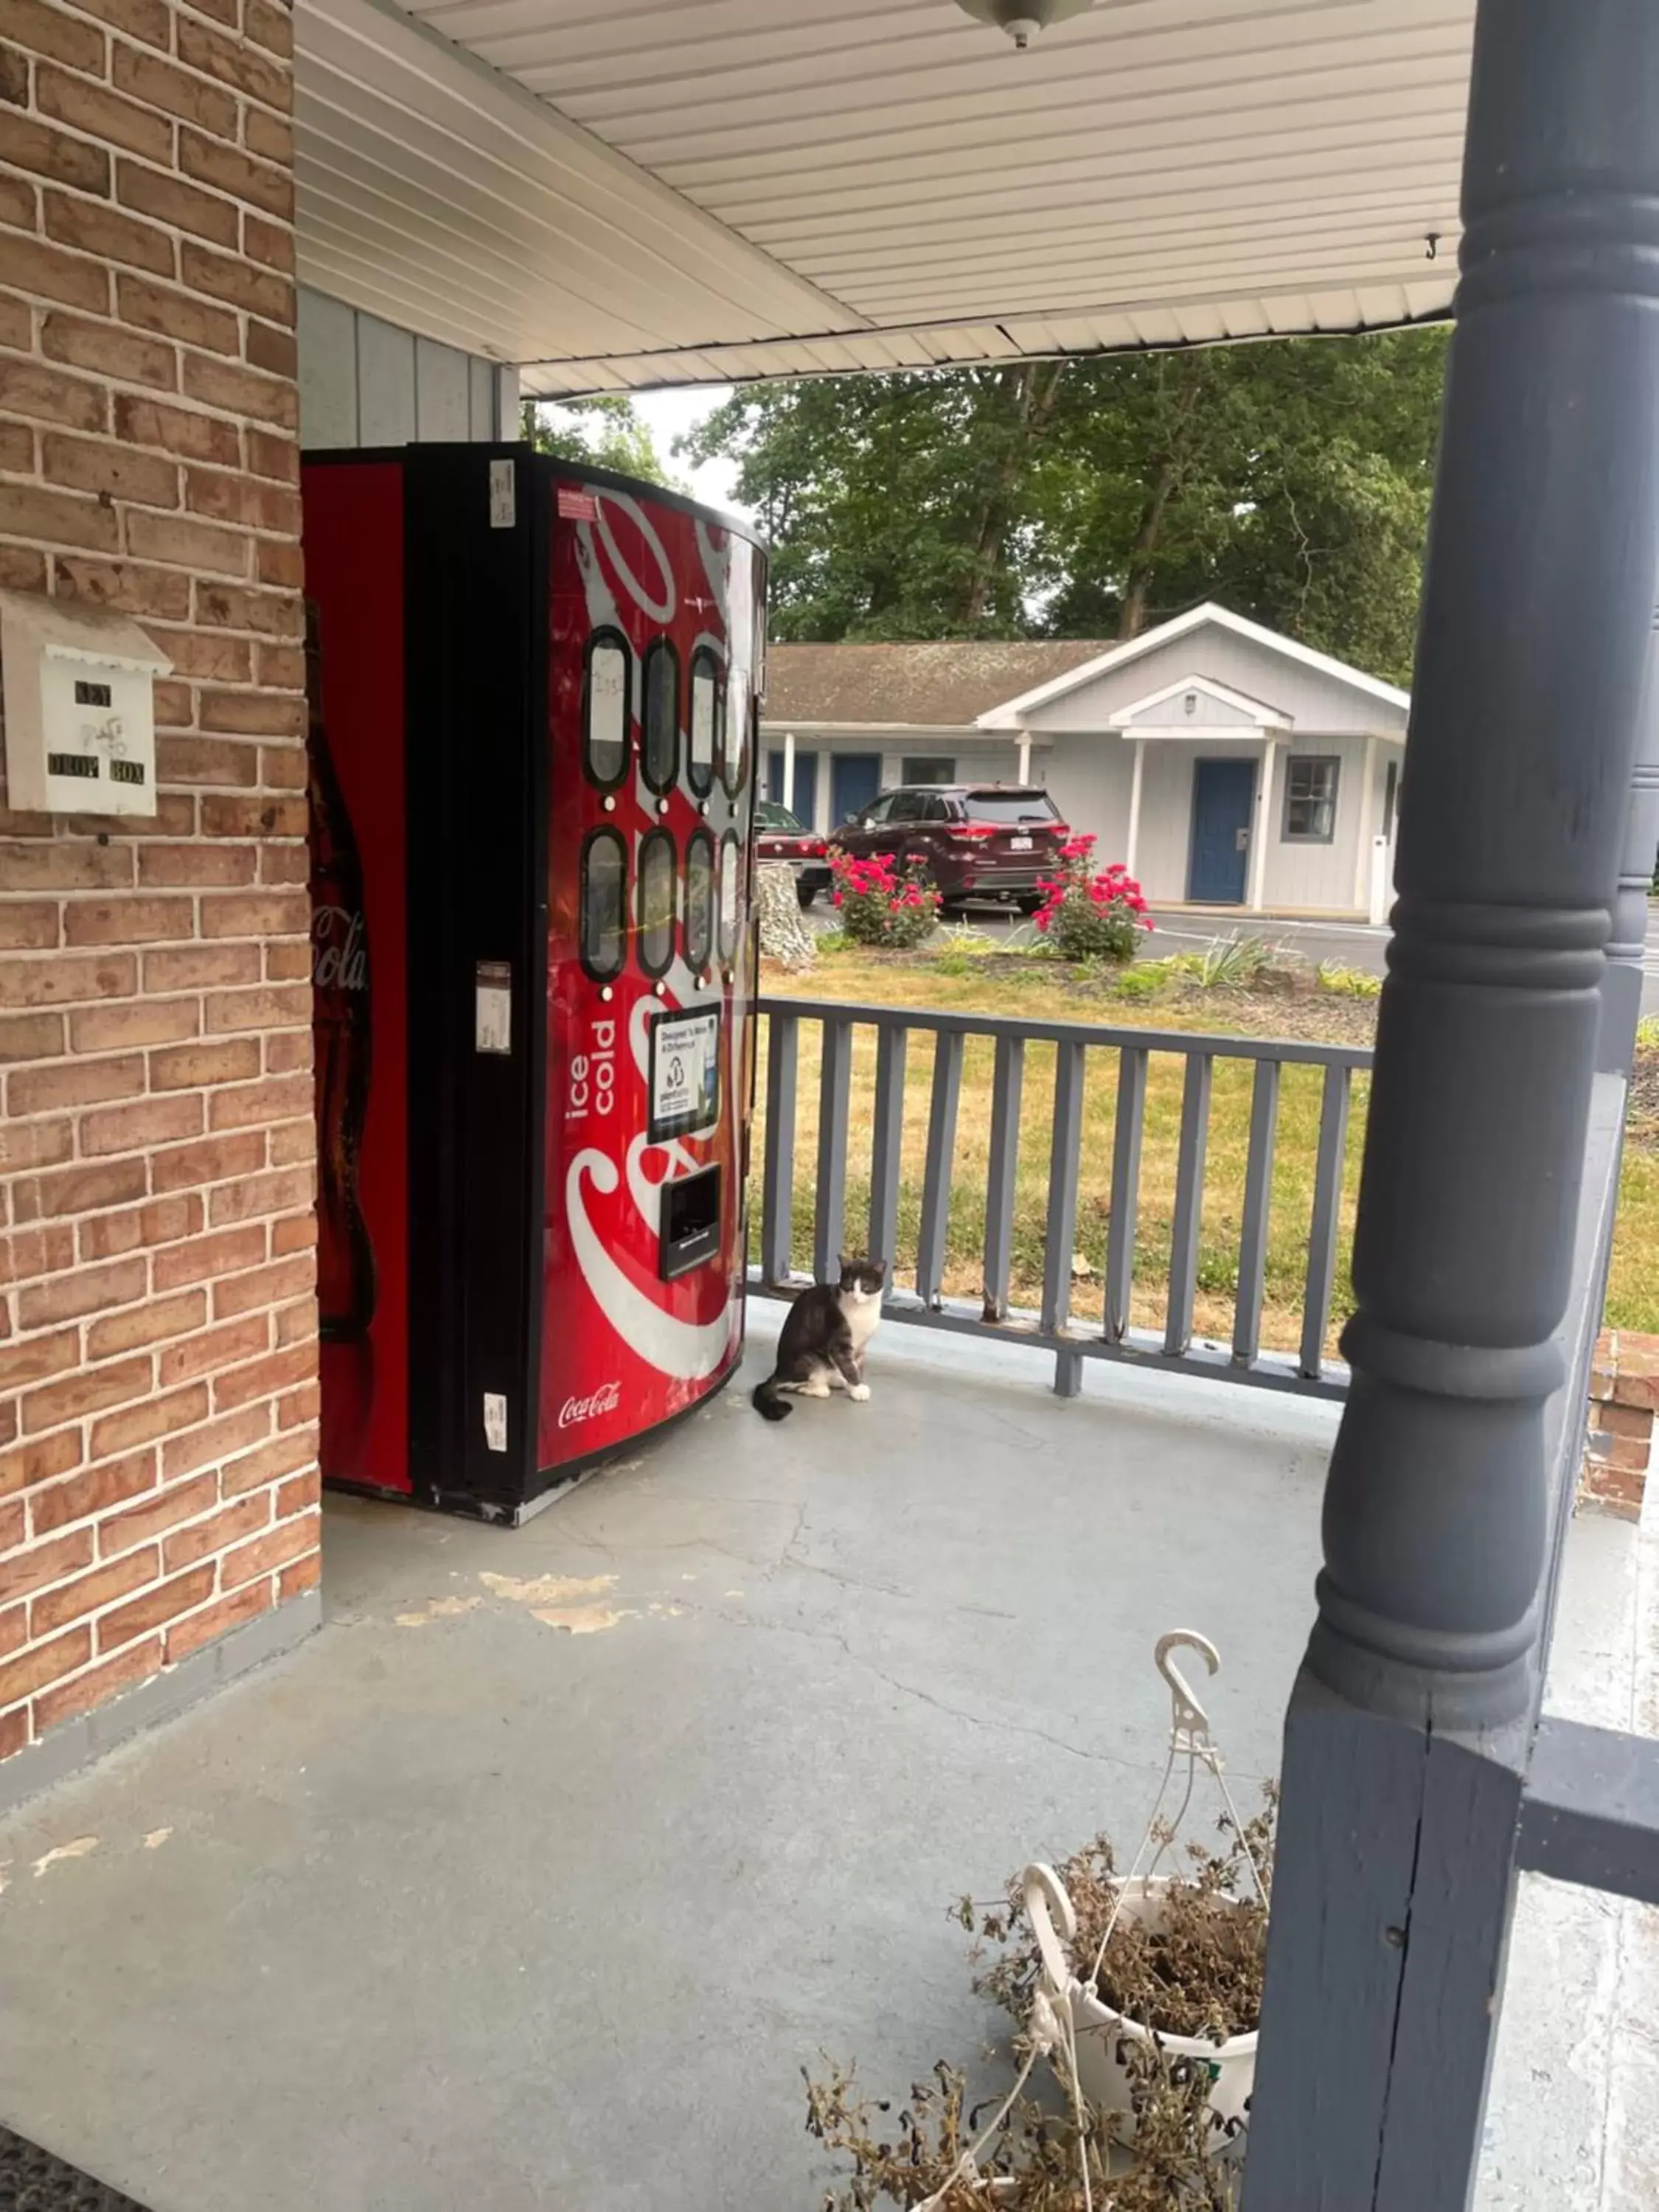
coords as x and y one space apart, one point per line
842 1263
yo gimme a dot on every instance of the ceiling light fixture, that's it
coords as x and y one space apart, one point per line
1024 19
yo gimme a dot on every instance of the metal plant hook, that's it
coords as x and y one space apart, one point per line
1190 1728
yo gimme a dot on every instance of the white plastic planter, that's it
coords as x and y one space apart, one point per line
1103 2034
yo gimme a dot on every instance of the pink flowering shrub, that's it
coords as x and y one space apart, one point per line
880 905
1092 914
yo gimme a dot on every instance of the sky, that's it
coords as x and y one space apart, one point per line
670 414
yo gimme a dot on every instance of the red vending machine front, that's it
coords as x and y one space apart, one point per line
534 708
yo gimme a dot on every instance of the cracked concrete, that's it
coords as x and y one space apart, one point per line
470 1914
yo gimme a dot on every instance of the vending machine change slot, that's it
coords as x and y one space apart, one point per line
690 1222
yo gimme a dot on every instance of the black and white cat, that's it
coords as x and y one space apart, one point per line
822 1343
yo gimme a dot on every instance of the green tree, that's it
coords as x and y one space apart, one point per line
1088 499
604 430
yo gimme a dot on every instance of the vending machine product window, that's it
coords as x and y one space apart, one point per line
734 730
699 900
605 905
661 760
729 888
705 688
607 685
656 890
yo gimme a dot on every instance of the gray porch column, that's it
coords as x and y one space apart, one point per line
1621 994
1407 1734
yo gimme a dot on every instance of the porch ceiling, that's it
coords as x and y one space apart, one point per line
643 193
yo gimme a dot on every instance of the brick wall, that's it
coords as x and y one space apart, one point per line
1619 1447
158 1353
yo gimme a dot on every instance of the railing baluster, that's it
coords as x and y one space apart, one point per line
778 1171
1258 1201
1006 1084
1126 1190
887 1144
834 1083
936 1179
1327 1218
1060 1232
1188 1203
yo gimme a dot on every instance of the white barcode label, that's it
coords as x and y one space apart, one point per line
503 500
494 1420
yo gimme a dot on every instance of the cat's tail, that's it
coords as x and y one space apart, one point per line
769 1402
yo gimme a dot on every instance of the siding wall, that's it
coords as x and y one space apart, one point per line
158 1322
1305 697
363 382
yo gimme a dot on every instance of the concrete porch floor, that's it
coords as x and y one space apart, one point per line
535 1878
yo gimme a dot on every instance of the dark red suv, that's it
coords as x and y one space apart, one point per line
987 841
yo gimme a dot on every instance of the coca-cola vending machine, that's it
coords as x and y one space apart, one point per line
534 698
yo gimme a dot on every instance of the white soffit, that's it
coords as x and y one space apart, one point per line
619 193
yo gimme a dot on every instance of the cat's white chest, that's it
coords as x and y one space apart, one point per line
862 1315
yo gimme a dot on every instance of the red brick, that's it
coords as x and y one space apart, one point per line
280 564
131 1128
282 1455
278 1548
20 202
182 1501
263 1378
218 1160
117 354
217 1441
95 1490
116 470
90 1291
174 430
297 1324
257 913
272 243
256 182
14 1725
268 26
235 1012
64 865
234 63
27 928
231 1525
35 1144
75 1601
225 1252
83 1189
16 438
55 517
276 458
149 1324
77 1082
14 1527
181 206
42 1564
31 1036
52 32
237 391
28 387
162 84
298 1494
282 668
149 19
33 1361
256 1105
305 1574
162 1222
13 1629
222 864
59 981
38 1461
196 967
198 545
293 1145
34 1252
190 1067
151 1021
104 115
229 278
216 1621
206 760
278 351
162 1602
143 1424
43 1664
208 654
26 144
248 500
288 1051
251 1196
287 1278
99 230
136 1664
255 714
123 584
22 569
271 614
175 314
88 1392
214 1349
49 273
174 817
289 960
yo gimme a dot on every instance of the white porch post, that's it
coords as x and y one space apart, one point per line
1135 782
1362 853
1026 755
1264 816
788 795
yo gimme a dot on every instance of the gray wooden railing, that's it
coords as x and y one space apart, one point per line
1054 1327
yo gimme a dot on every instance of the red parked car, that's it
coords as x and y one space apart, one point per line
978 842
779 836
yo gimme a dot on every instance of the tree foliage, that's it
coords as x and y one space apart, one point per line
604 430
1090 499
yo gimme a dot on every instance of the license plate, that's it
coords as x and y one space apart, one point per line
1020 844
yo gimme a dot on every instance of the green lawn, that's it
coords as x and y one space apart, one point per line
972 986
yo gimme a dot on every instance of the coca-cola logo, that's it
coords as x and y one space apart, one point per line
339 958
605 1400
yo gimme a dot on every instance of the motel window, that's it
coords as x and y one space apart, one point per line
1311 799
919 768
